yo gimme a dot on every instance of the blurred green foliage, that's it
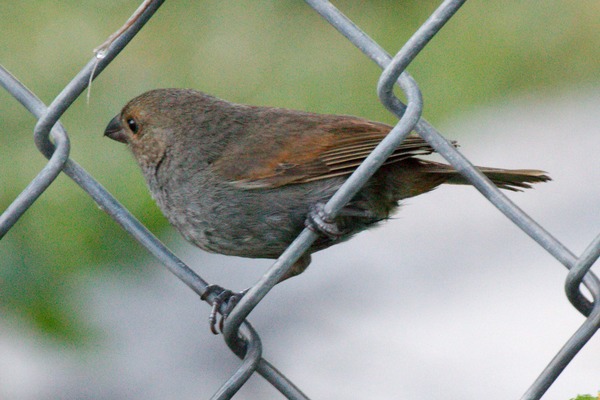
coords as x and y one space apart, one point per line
586 397
276 53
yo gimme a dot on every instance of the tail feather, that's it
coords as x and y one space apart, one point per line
509 179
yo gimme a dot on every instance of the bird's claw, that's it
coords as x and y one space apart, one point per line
224 302
319 222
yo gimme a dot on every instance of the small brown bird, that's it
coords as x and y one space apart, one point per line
240 180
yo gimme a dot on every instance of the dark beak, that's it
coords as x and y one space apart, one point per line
115 131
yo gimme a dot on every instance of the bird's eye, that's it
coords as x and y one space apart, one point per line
133 125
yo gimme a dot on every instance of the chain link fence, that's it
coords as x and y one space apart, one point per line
52 140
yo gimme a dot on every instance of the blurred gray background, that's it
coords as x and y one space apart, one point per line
447 299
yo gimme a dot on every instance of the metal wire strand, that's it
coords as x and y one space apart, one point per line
585 331
378 55
138 231
481 183
249 348
408 119
58 152
44 178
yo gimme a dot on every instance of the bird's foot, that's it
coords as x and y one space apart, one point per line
319 222
224 302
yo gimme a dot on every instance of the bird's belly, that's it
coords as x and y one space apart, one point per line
246 223
265 237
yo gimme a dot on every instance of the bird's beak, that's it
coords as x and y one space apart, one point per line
114 130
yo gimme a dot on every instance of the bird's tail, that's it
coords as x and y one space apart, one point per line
509 179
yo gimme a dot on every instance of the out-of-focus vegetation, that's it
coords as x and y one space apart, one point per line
276 53
586 397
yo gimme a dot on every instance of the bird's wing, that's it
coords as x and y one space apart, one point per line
314 151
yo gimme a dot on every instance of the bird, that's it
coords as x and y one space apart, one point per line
245 180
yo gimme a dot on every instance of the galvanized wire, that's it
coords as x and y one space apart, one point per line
239 335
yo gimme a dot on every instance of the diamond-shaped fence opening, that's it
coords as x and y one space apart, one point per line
52 140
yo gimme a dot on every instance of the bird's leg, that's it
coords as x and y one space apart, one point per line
318 222
224 302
